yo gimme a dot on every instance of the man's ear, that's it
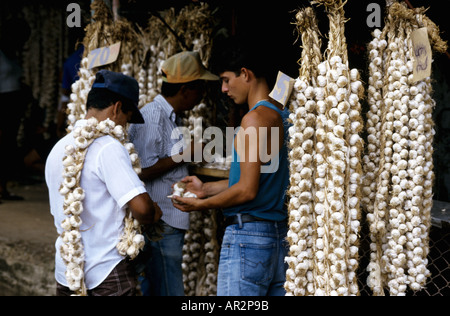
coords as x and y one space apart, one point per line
117 108
246 74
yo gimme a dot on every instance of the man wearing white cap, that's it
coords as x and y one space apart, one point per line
183 88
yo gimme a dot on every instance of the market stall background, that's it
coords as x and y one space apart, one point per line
51 42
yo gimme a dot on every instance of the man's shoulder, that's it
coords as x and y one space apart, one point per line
107 142
261 117
152 112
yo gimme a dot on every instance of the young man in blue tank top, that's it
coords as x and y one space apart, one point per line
253 199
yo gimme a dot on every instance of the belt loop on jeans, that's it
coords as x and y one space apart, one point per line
239 217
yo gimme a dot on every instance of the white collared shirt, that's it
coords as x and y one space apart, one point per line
153 141
109 182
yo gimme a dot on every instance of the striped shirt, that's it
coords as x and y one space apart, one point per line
153 142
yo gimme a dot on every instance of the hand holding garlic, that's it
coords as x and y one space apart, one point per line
181 192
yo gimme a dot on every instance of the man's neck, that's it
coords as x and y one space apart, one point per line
258 92
173 102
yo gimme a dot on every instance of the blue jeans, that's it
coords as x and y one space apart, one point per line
163 272
252 260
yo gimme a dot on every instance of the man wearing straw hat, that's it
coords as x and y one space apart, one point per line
183 88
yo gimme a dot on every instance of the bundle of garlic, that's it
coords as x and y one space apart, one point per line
325 168
72 250
43 55
198 23
96 36
208 284
191 253
33 49
51 60
372 155
400 129
159 44
201 255
342 94
103 31
154 79
76 109
300 274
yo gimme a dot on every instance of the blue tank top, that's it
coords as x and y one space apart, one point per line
270 202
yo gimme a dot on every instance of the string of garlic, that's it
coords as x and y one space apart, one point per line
372 157
299 276
337 151
344 145
328 111
198 24
400 218
191 254
76 109
394 256
354 192
72 250
420 192
300 203
212 249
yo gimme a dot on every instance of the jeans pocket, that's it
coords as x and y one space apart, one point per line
257 262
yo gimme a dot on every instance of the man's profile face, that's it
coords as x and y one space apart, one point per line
233 87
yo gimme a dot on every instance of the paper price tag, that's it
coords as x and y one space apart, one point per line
422 54
103 56
283 88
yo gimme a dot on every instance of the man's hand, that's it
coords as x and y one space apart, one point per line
195 185
188 205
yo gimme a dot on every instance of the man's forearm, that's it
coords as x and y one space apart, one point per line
161 167
214 188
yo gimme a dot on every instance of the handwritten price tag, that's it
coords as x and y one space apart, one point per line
422 54
104 56
283 88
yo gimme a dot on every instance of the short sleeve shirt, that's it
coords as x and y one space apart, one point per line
109 182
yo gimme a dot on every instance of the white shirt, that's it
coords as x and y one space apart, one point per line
109 182
153 142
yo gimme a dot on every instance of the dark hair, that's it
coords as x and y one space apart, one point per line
171 89
100 98
253 53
